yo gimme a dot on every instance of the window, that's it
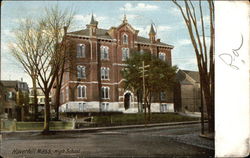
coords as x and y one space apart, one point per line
10 96
125 54
104 73
164 108
104 52
80 51
82 107
162 56
163 96
81 91
67 93
81 72
67 107
105 92
141 51
105 107
125 39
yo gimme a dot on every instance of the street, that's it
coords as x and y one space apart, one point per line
171 141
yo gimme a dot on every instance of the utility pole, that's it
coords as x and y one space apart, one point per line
144 89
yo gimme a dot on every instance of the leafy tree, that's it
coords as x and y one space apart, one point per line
159 77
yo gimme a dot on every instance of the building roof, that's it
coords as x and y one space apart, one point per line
15 84
193 74
188 77
8 83
103 33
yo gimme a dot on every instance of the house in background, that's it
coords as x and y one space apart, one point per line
96 57
187 95
40 100
16 98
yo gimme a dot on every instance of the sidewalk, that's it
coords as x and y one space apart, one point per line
95 129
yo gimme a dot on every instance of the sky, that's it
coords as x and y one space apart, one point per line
168 21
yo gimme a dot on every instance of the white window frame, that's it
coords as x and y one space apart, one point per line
104 73
104 52
161 54
81 89
105 92
125 38
125 54
80 51
105 106
81 72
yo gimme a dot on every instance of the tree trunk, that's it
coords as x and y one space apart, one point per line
47 113
35 98
57 102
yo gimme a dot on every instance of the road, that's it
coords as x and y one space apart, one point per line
172 141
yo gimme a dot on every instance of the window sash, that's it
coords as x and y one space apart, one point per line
162 56
81 72
104 52
125 39
81 91
105 93
125 53
104 73
80 51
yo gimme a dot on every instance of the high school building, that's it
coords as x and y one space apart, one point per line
93 81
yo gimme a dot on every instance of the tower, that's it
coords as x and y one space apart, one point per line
92 26
152 34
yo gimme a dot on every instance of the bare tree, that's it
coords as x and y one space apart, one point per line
204 52
45 46
22 50
51 62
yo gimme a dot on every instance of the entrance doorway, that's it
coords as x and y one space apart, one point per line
127 97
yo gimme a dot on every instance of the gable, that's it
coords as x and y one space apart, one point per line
127 27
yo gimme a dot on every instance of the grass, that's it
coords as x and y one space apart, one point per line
128 119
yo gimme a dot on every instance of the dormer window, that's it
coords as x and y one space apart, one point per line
125 39
80 51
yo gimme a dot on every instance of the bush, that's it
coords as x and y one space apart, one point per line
128 119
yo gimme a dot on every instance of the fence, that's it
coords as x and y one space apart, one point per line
13 125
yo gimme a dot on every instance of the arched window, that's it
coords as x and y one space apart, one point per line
104 73
162 56
125 54
125 39
104 52
81 72
80 51
81 91
105 92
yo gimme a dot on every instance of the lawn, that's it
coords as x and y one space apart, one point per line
129 119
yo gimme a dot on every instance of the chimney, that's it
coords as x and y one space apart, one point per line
158 40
